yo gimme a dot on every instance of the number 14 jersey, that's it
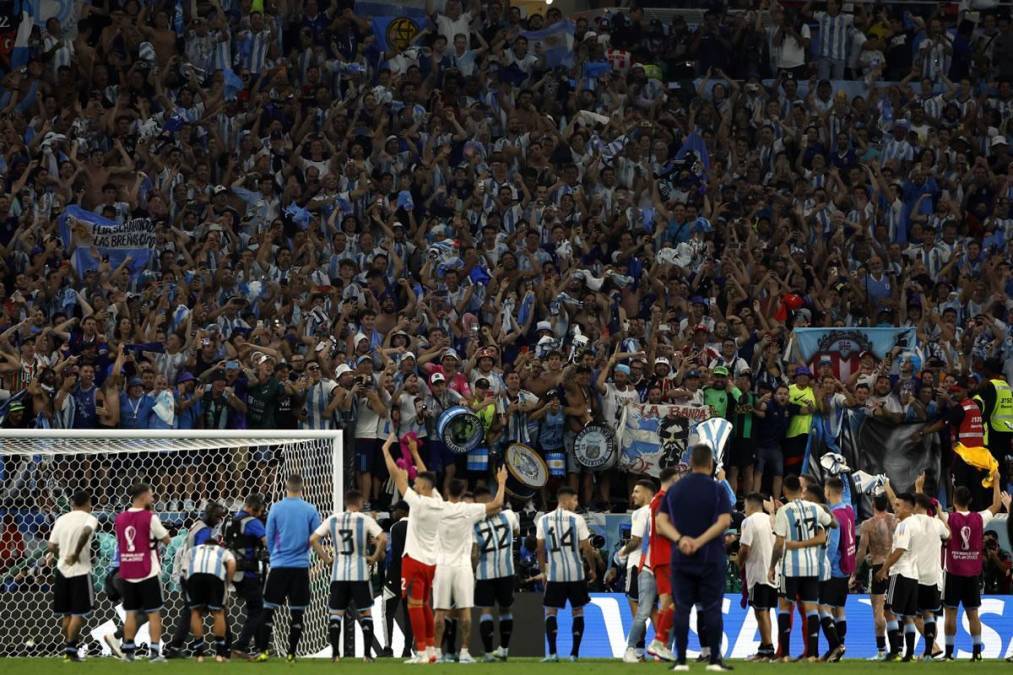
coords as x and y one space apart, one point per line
494 538
563 532
350 533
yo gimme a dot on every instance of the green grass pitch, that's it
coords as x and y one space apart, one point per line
106 666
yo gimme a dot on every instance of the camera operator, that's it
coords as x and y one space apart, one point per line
997 566
246 536
372 403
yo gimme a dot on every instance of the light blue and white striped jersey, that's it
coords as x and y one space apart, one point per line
318 397
494 537
798 521
350 533
834 35
208 559
562 532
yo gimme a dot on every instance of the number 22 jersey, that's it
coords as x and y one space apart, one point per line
494 538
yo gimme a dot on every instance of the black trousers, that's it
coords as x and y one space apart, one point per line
251 590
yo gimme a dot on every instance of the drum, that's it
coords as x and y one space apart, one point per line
460 429
557 464
526 472
595 447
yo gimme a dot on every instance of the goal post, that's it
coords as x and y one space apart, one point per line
41 469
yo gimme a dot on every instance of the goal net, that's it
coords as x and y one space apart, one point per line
41 469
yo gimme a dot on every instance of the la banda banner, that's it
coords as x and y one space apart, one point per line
652 437
607 622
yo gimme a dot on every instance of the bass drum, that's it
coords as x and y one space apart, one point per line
460 429
527 472
596 448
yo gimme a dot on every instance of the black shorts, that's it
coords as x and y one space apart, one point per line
494 592
743 453
902 596
762 596
73 596
344 593
958 590
928 598
805 589
287 583
632 583
834 591
143 596
205 591
877 587
558 592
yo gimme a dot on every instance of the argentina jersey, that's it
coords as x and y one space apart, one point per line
208 559
350 533
494 538
800 521
562 532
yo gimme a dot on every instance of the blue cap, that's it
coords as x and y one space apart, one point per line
623 368
802 370
135 382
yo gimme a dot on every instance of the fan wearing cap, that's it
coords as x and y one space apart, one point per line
441 398
742 450
721 394
449 366
617 393
801 394
319 399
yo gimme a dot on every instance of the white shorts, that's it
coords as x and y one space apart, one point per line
454 587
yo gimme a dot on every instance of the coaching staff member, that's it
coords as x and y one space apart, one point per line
694 516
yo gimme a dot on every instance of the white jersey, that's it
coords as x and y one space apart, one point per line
640 521
208 559
423 522
455 533
350 533
927 546
903 539
562 532
66 533
799 520
758 535
494 537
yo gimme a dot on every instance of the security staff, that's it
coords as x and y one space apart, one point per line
248 543
694 516
198 534
996 399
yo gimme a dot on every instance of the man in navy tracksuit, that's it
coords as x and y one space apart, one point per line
694 516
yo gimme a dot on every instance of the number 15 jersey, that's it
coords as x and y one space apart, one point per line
563 532
350 533
494 538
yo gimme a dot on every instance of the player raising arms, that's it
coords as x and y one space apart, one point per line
351 534
454 583
418 565
562 536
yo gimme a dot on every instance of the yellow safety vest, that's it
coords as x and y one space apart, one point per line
799 425
1001 418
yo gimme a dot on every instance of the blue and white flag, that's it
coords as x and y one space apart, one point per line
714 433
554 43
842 347
115 241
233 84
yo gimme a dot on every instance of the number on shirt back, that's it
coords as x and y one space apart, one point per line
556 544
805 528
494 536
347 542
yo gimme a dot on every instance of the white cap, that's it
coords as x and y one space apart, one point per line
341 370
543 325
662 359
359 336
408 355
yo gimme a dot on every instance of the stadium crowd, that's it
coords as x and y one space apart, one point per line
354 231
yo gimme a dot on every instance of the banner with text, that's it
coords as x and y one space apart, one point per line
91 238
652 437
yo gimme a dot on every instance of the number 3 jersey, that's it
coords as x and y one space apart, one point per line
350 533
494 538
563 531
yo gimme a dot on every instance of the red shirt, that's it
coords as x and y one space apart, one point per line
659 548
